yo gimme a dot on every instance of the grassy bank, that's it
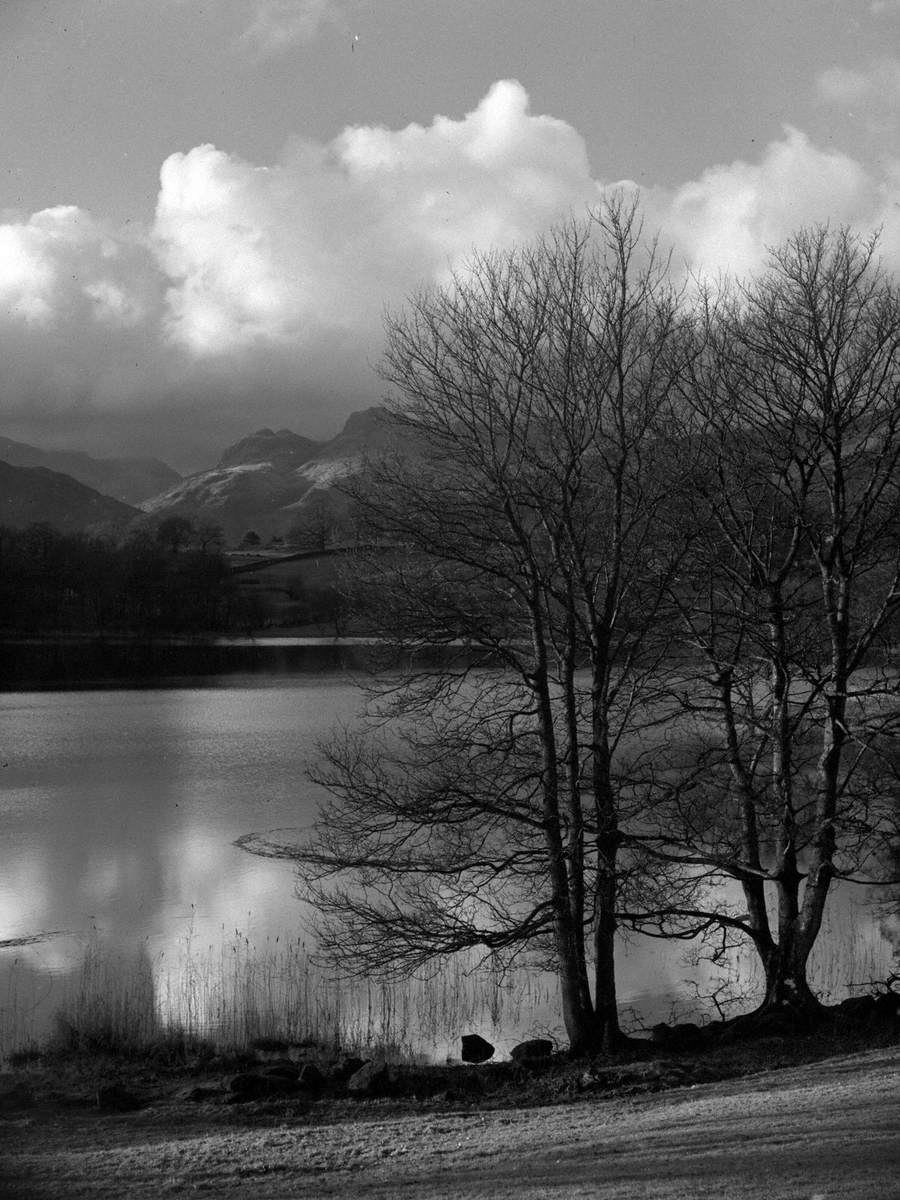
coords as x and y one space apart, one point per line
774 1117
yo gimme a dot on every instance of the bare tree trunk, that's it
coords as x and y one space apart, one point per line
787 986
607 1033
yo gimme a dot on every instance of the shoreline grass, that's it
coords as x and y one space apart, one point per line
232 992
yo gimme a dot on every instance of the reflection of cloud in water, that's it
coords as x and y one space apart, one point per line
26 896
121 818
215 884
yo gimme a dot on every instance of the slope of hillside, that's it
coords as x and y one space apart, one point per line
817 1131
35 495
130 480
264 481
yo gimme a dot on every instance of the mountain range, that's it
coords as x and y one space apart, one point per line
130 480
261 483
38 496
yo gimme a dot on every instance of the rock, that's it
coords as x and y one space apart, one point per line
887 1006
533 1049
372 1079
856 1008
475 1049
869 1010
311 1078
197 1095
116 1098
281 1071
344 1068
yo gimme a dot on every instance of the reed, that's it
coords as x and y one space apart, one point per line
233 992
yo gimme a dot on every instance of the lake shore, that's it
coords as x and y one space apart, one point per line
823 1129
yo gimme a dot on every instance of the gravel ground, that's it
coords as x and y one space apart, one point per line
823 1131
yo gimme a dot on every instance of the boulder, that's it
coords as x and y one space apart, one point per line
475 1049
281 1071
344 1068
887 1006
533 1049
199 1095
311 1078
856 1008
868 1010
373 1078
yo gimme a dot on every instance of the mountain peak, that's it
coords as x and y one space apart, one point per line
284 450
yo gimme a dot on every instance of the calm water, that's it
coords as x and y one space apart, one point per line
119 810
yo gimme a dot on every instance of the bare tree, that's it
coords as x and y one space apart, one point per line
783 777
531 515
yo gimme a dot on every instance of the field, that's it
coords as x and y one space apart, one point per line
818 1131
292 593
131 1098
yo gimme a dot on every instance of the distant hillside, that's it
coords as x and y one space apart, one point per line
265 481
130 480
35 495
283 450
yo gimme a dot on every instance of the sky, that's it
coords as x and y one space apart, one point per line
206 206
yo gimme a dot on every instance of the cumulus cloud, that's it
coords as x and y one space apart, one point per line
61 260
325 237
725 220
256 296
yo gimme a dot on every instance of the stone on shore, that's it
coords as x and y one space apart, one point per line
475 1049
531 1050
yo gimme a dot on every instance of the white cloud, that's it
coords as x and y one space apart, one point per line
60 259
113 305
32 255
217 241
325 237
725 220
878 86
256 298
276 25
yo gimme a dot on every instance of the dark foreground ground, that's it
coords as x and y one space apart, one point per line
782 1118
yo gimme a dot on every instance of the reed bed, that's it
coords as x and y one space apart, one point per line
231 992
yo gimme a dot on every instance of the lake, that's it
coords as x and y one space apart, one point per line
119 810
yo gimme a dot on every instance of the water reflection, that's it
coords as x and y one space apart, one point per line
119 810
120 807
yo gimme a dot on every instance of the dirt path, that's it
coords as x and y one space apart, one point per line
827 1131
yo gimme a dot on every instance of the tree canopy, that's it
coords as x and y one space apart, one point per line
659 527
